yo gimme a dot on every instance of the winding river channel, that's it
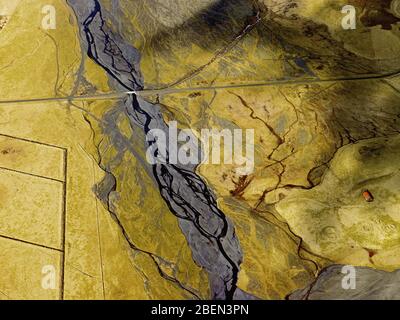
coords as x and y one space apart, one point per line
209 233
